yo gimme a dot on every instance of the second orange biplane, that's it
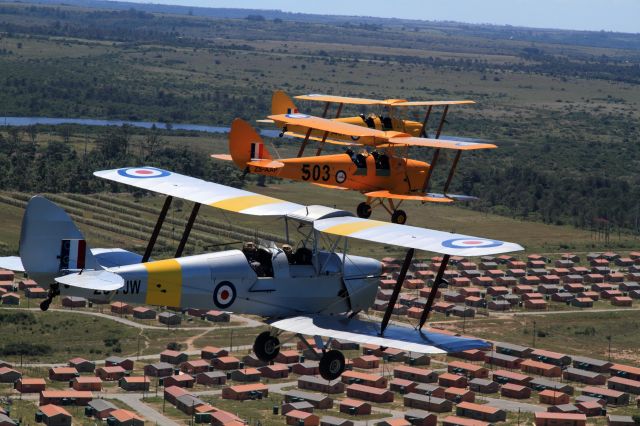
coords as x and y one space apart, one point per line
383 176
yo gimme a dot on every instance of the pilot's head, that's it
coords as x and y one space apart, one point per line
287 248
249 246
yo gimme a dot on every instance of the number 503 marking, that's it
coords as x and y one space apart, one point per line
316 172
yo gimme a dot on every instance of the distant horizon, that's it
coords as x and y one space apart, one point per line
576 15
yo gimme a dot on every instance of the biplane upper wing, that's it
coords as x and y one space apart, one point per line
360 133
200 191
325 219
368 332
365 101
413 237
339 99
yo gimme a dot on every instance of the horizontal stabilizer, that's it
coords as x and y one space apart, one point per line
272 164
453 197
223 157
12 263
112 257
432 198
93 280
367 332
324 185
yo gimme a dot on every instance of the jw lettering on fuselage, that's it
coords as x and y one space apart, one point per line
130 287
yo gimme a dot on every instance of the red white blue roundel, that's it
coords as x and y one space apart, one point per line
224 295
296 115
143 172
467 243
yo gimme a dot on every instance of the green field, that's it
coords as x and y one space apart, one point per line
50 337
561 105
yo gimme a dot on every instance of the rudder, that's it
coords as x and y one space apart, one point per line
245 144
281 103
50 242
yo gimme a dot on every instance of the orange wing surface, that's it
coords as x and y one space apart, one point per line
332 126
365 101
339 99
433 198
432 103
440 143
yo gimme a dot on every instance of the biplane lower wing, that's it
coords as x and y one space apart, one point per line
367 332
317 139
432 198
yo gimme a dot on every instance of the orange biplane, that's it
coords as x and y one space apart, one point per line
382 175
389 119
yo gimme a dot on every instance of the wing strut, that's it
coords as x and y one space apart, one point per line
324 137
396 290
187 229
451 172
443 119
423 131
434 290
156 230
434 161
309 130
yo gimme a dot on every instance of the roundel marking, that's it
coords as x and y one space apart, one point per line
296 115
224 295
341 176
465 243
143 172
355 138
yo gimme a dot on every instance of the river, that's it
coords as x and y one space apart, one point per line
29 121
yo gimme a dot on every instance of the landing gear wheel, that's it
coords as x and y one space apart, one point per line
266 347
44 305
332 365
399 217
364 210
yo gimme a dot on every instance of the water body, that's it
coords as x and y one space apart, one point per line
29 121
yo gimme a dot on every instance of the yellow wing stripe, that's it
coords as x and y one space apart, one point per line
164 283
238 204
346 229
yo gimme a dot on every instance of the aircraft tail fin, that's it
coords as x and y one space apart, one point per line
51 244
281 103
245 144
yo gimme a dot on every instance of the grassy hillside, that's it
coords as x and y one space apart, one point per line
564 112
